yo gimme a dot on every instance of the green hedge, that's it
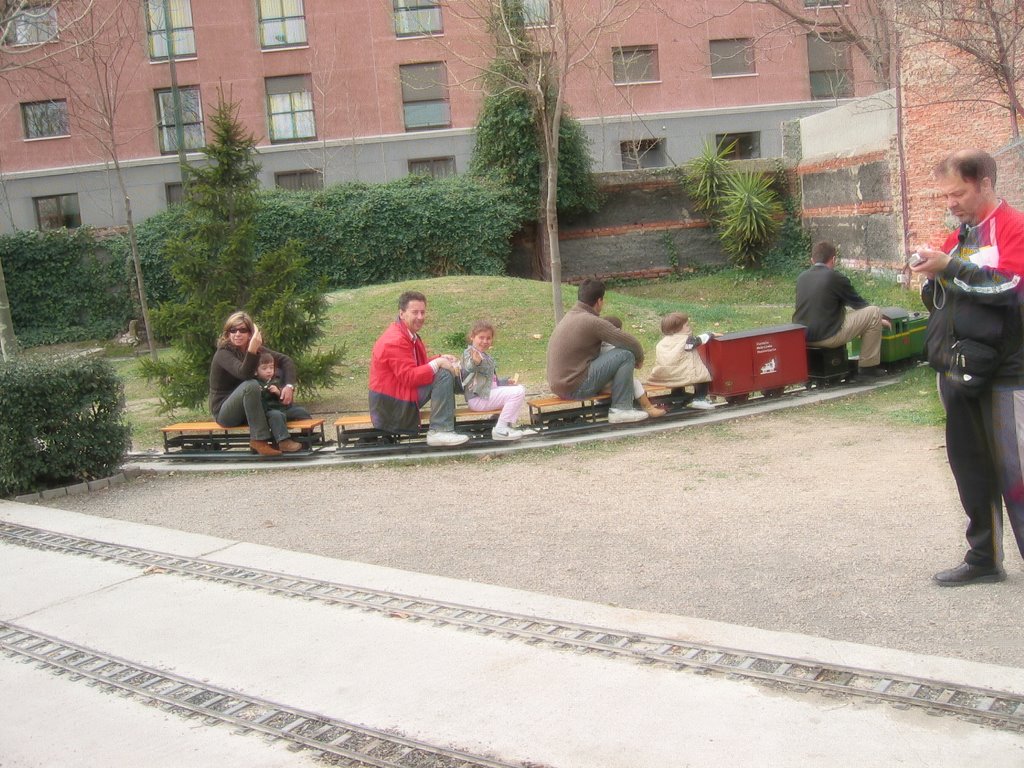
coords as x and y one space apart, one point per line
63 286
363 234
60 423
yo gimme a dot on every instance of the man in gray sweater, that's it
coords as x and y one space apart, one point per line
576 368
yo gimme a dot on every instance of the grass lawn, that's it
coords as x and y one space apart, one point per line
521 312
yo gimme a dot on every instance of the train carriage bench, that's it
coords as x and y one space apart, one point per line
552 410
201 437
357 428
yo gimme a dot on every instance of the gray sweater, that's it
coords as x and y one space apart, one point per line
576 341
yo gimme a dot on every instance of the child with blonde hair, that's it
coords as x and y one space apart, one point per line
484 390
677 362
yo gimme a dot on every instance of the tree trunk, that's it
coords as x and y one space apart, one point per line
8 342
133 244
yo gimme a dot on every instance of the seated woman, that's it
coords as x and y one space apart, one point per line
236 395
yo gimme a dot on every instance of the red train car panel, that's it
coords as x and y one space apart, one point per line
761 359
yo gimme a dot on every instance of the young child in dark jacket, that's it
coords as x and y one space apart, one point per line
270 383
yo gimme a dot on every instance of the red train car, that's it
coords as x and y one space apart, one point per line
761 359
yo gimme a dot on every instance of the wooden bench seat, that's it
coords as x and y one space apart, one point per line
204 436
358 427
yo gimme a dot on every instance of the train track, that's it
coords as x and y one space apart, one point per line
344 743
998 709
545 438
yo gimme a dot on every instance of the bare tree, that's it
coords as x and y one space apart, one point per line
98 74
34 31
986 38
542 42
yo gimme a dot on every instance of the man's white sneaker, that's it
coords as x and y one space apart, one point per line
625 415
506 433
702 405
445 438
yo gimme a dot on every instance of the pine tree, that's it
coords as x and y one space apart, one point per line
215 264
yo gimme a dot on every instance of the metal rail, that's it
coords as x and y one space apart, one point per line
997 708
357 745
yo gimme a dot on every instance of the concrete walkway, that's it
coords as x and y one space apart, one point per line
499 699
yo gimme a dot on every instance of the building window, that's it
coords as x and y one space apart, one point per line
732 57
299 180
57 211
425 96
174 193
45 119
191 119
638 64
537 13
739 146
290 106
32 25
182 34
282 23
415 18
643 153
438 167
828 59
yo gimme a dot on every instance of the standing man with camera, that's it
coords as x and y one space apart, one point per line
975 342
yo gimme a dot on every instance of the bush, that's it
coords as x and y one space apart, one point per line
63 287
60 423
359 234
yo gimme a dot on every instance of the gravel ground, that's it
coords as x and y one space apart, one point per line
782 521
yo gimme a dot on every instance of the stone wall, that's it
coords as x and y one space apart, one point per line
848 180
646 227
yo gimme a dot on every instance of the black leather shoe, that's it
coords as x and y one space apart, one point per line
874 372
965 573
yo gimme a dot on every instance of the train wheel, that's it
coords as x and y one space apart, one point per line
777 392
734 399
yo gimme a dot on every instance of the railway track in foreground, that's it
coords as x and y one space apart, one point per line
999 709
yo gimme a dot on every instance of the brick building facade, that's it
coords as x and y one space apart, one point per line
372 90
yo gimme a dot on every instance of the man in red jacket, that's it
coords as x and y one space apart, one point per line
403 378
973 294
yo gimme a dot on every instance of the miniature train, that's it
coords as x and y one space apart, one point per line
761 362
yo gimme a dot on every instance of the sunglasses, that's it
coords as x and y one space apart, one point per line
239 329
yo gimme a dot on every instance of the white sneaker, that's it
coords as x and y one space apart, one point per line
624 415
502 432
702 405
445 438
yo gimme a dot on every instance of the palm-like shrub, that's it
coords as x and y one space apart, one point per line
749 214
705 176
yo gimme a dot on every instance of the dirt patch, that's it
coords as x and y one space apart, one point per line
792 522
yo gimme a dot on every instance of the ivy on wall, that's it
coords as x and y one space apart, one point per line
63 286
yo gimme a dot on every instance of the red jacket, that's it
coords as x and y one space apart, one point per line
1003 228
399 367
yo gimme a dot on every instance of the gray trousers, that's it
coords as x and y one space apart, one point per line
245 406
441 394
616 365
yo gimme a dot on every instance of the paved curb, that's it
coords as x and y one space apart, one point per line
128 473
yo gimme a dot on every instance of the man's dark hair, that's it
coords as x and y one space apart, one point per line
823 252
405 298
590 291
971 165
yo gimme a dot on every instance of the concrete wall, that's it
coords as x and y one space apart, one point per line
845 163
